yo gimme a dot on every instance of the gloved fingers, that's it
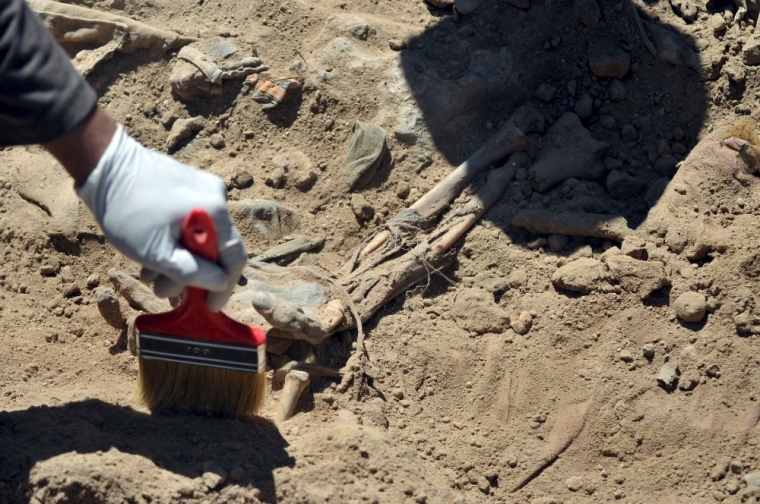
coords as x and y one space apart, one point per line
148 275
232 257
164 286
189 269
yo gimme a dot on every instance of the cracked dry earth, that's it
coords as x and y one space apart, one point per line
540 367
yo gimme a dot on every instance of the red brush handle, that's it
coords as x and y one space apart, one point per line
199 235
193 319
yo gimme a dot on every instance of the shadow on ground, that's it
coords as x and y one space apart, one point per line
469 76
176 442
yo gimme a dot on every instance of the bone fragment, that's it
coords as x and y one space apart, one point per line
202 62
132 335
289 248
569 424
295 383
136 293
313 370
610 227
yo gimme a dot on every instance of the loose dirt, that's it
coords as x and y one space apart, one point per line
537 368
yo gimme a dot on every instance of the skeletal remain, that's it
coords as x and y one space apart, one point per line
136 293
199 72
609 227
290 248
295 383
314 371
78 28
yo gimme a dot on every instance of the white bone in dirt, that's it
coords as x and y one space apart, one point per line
295 383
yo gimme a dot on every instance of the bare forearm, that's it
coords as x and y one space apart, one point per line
81 148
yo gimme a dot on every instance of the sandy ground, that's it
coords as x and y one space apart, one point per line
466 401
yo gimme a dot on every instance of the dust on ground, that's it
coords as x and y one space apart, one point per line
474 370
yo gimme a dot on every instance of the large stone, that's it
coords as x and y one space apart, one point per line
620 185
640 277
608 61
690 306
587 12
583 275
475 310
751 50
568 152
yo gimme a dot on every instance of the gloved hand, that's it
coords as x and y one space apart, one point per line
139 198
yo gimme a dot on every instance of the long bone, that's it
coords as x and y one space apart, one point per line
509 138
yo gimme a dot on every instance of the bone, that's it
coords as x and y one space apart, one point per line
77 28
508 139
299 323
136 293
295 383
313 370
290 248
610 227
496 182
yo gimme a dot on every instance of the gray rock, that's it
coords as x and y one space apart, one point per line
617 91
583 275
568 152
666 165
108 306
276 179
628 133
649 350
620 185
574 483
93 281
690 306
546 92
584 107
751 50
406 136
242 179
639 277
467 6
607 121
626 356
668 374
587 12
66 275
607 60
362 209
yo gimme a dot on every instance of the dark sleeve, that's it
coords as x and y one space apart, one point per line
42 96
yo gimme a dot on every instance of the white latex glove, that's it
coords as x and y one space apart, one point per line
139 198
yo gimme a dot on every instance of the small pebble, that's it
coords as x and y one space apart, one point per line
574 483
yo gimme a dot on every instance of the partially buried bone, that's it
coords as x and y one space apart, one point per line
199 73
609 227
314 371
290 248
295 383
94 36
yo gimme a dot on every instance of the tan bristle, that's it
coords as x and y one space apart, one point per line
199 389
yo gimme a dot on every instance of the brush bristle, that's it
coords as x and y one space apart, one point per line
199 389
